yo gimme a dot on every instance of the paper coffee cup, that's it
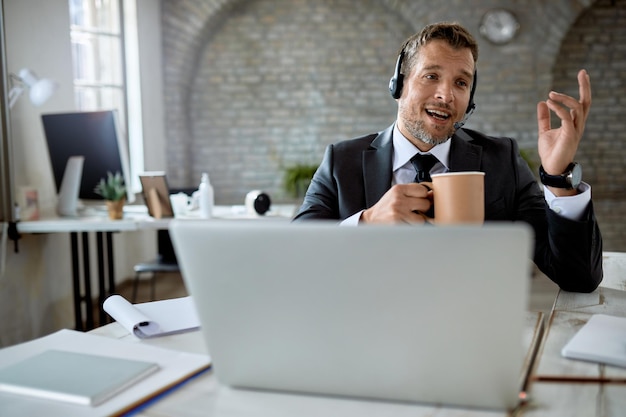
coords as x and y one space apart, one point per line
459 197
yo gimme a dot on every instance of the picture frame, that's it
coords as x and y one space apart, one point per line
156 194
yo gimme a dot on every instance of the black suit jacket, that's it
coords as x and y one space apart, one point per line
355 174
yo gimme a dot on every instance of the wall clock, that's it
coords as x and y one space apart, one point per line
499 26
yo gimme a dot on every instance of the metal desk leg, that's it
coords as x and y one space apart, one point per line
106 278
78 312
87 282
101 286
111 266
106 284
109 243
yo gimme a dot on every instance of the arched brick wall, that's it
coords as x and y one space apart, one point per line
187 25
266 88
597 42
255 86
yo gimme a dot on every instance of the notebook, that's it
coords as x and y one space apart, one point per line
79 378
420 314
602 339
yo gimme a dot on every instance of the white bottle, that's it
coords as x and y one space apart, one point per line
206 199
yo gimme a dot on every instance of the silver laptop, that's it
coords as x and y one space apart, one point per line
420 314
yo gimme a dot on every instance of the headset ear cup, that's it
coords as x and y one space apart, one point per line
395 83
395 86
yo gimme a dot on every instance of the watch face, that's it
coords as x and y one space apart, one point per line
499 26
576 176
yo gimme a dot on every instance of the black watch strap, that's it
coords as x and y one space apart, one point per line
571 178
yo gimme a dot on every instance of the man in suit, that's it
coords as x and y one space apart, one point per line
371 179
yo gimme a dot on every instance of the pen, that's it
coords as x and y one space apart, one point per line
578 379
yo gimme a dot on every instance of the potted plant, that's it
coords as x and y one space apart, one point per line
532 159
297 179
113 190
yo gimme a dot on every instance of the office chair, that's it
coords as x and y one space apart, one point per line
164 262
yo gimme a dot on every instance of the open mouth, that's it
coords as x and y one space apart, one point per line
438 114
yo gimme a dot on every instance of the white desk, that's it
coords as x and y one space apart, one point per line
588 389
204 396
580 389
98 222
138 219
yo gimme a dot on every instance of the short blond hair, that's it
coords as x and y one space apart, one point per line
451 32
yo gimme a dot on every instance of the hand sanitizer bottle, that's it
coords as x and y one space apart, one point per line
206 197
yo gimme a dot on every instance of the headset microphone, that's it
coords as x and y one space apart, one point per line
471 105
460 123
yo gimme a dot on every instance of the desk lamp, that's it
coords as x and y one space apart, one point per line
41 89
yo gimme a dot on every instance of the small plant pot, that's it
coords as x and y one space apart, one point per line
116 209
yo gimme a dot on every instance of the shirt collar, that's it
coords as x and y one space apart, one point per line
404 150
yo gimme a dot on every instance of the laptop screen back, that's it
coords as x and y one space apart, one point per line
425 314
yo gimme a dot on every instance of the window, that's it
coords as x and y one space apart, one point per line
97 50
102 31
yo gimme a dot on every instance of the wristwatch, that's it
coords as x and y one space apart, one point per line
571 178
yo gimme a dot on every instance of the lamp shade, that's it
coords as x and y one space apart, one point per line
41 89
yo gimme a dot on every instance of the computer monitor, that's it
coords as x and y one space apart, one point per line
95 136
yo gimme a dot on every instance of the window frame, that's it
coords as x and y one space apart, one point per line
128 102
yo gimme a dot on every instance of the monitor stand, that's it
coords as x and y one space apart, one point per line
67 205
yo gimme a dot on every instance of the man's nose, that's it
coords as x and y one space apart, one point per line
445 92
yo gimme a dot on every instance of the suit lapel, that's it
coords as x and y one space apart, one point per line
377 167
464 156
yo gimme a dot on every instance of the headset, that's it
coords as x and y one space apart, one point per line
397 80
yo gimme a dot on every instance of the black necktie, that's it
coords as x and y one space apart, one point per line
423 163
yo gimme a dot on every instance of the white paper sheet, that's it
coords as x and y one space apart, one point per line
156 318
